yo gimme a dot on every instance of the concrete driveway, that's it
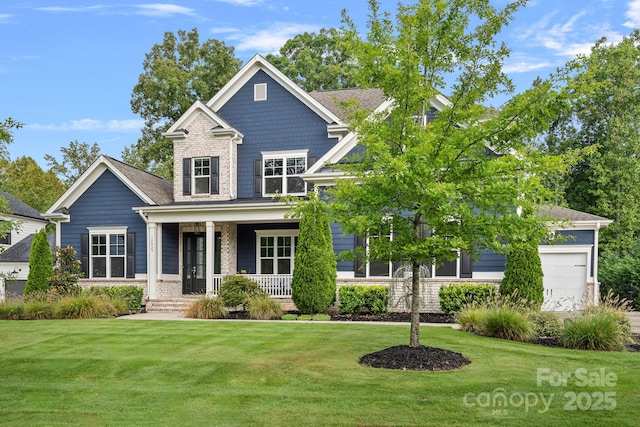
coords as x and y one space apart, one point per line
634 316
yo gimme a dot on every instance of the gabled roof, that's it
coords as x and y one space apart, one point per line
369 99
258 63
573 216
19 208
150 188
177 130
21 250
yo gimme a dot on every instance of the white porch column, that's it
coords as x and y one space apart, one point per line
210 251
152 260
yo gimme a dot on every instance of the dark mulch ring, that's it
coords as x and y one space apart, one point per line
419 358
393 317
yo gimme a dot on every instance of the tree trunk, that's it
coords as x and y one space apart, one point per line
414 338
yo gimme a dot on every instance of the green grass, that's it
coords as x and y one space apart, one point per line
232 373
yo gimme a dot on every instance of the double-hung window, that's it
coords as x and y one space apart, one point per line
201 175
282 173
107 249
276 250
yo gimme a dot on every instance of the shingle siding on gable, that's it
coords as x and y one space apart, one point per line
281 122
107 203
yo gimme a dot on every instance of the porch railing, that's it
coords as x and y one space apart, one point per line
276 285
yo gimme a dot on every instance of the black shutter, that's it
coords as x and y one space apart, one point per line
257 178
84 254
310 162
215 176
358 263
466 271
186 176
131 255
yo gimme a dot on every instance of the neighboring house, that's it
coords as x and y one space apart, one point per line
15 245
259 136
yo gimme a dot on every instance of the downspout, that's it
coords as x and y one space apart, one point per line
596 284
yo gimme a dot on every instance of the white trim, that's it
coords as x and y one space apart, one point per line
570 249
259 92
256 64
275 233
107 232
190 115
284 156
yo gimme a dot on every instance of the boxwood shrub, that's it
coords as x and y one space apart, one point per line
132 295
353 298
454 296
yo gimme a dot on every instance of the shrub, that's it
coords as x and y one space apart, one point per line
263 307
40 264
289 316
67 269
545 323
10 310
523 273
235 290
470 318
38 310
616 307
84 306
621 275
313 284
595 331
207 308
353 298
131 295
508 323
454 296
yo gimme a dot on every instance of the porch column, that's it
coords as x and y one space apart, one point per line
152 260
210 251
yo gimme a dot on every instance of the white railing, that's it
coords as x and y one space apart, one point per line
276 285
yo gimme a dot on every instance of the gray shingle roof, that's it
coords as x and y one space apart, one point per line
332 99
158 189
21 250
19 208
569 214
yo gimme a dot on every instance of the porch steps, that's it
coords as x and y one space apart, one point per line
180 305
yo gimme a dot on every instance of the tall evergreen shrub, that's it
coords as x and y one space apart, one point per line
40 264
523 273
313 286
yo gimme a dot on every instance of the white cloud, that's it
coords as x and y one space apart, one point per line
163 9
633 14
270 39
525 65
71 9
242 2
93 125
4 17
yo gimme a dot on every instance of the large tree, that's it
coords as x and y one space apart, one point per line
76 158
604 119
316 61
427 184
177 72
24 179
6 136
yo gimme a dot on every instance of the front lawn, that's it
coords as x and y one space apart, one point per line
227 373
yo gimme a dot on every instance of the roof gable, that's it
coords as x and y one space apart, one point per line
151 189
19 208
256 64
177 130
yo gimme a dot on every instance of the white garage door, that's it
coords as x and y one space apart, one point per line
565 280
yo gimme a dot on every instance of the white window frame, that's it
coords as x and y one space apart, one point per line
284 156
107 232
195 177
260 92
293 233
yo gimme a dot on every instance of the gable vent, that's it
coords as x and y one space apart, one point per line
260 92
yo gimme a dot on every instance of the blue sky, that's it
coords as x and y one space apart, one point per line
67 68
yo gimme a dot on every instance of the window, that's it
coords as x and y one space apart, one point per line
281 173
201 175
5 232
276 249
260 92
107 253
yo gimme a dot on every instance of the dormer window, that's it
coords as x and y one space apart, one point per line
201 175
282 171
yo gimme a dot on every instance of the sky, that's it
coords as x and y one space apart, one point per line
68 68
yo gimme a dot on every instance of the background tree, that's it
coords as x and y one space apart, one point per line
177 72
316 61
429 182
35 187
604 117
313 285
523 273
6 136
76 158
40 264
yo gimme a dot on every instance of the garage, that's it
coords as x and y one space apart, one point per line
565 280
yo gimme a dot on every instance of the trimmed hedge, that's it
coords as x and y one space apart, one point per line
454 296
132 295
353 298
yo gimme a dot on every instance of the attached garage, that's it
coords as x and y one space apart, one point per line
565 280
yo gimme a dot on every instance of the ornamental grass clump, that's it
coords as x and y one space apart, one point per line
263 307
507 323
596 331
470 318
84 306
10 310
207 308
38 310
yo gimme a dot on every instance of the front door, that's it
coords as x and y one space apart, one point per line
194 273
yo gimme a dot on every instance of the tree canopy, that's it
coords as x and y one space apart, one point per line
428 184
6 136
603 118
316 61
176 73
76 158
24 179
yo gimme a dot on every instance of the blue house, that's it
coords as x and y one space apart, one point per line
259 136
